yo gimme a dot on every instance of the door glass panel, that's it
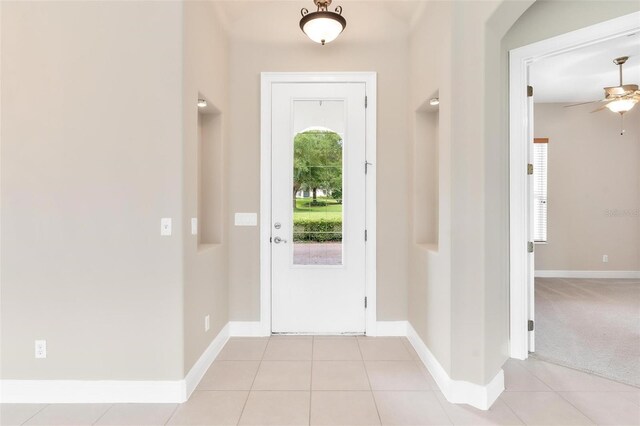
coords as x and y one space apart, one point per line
317 182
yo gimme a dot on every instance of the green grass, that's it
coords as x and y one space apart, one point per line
332 210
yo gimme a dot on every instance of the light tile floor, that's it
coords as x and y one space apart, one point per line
351 381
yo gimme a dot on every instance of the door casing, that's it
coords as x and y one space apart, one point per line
267 80
520 232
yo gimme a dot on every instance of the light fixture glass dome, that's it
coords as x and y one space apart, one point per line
322 30
622 105
322 26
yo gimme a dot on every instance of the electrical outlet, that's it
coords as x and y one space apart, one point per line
605 258
207 324
41 349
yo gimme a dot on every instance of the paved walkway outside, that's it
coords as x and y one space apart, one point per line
317 253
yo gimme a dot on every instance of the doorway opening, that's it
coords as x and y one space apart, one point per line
544 193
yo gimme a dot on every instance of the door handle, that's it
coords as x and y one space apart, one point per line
279 240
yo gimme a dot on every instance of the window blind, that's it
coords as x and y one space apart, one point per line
540 151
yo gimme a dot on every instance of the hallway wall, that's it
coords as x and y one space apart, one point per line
430 262
91 107
459 291
206 75
388 56
462 284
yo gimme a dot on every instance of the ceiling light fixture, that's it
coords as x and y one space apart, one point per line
434 101
202 103
322 26
621 106
620 99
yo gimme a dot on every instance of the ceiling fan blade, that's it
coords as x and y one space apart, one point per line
599 109
581 103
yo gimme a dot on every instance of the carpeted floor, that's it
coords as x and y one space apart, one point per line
591 325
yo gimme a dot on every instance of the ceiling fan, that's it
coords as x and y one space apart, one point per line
619 98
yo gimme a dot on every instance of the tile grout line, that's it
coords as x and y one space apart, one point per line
553 390
375 404
442 406
35 414
102 415
253 381
579 410
512 410
578 370
571 369
539 378
173 413
529 372
421 365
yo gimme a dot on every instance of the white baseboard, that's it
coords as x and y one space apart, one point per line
457 391
203 363
588 274
390 328
177 391
112 391
247 329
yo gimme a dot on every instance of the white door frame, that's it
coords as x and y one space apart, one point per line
519 61
267 79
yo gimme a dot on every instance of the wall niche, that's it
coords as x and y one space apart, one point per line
210 172
426 175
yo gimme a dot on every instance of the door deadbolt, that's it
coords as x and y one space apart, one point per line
277 225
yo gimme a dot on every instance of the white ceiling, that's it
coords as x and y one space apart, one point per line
278 21
580 75
575 76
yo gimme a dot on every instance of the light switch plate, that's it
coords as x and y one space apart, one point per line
246 219
165 226
194 226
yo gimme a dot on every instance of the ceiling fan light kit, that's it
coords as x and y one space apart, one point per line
322 26
623 97
619 99
621 106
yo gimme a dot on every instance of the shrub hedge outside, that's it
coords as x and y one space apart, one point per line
317 230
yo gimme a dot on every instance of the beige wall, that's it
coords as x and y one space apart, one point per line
430 272
591 170
458 289
458 295
249 57
90 158
205 266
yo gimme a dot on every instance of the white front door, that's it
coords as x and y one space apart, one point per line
318 207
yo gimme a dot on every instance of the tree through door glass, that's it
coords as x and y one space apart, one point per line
317 182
